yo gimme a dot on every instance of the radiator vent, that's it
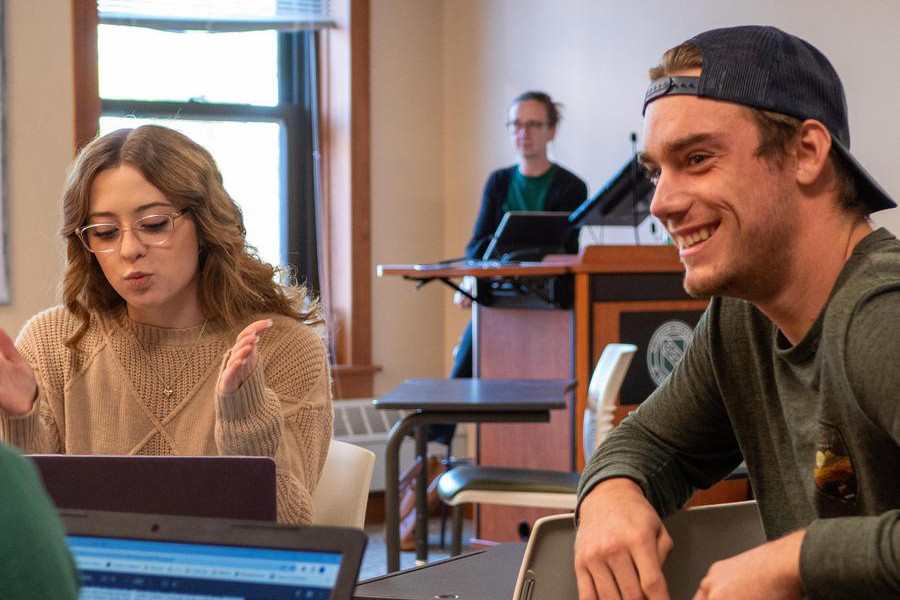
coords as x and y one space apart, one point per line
358 421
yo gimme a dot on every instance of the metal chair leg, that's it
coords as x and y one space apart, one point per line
457 530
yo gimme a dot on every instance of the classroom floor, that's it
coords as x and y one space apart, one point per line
375 559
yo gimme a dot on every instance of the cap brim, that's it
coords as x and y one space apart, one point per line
868 189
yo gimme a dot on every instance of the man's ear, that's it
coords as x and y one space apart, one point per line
812 145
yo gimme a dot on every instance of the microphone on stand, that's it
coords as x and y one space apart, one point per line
634 187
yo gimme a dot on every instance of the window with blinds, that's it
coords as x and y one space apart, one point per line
218 15
239 77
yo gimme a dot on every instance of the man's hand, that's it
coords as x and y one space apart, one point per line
242 357
18 387
770 571
620 545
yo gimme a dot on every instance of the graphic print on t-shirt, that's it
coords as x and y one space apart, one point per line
834 474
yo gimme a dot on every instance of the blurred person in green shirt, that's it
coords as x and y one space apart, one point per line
34 560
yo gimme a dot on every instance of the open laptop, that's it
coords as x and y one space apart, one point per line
230 487
127 555
528 236
702 536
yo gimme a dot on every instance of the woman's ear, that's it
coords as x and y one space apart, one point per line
812 145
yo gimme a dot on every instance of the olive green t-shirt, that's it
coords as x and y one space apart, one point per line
34 559
528 193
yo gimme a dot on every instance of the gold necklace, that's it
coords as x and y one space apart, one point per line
168 388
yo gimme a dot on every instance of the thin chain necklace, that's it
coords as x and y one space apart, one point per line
168 387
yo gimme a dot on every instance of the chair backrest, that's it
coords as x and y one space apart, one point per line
343 491
602 392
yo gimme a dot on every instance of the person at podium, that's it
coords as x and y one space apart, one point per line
533 183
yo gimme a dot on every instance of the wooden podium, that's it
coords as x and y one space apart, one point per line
551 320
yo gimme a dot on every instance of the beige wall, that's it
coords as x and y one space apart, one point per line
407 186
39 141
461 61
443 72
593 56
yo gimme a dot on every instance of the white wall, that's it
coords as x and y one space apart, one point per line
593 56
39 142
460 62
443 72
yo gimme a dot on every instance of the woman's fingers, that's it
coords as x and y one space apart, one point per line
242 357
18 387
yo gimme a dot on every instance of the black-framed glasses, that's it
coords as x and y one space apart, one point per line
516 126
152 230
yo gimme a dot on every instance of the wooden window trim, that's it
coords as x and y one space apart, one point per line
345 146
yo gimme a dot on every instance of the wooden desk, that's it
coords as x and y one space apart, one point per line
453 401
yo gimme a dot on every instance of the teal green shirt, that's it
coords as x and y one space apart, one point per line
34 558
528 193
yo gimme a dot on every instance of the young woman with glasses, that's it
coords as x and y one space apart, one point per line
174 338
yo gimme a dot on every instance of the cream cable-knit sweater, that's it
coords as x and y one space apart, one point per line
108 398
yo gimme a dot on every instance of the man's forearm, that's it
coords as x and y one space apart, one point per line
630 452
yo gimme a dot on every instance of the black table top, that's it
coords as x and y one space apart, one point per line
477 395
481 575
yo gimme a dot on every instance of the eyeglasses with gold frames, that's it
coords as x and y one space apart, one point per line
152 230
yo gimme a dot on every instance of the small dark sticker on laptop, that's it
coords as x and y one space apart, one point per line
834 473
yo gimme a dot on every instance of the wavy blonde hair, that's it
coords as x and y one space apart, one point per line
233 282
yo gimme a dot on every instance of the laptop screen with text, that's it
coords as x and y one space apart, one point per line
159 557
118 568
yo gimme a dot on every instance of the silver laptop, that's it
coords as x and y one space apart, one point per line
702 536
129 555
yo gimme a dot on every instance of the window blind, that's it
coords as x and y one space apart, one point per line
218 15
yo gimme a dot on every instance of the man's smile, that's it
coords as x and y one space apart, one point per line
688 239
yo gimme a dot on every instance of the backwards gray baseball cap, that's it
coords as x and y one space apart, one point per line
766 68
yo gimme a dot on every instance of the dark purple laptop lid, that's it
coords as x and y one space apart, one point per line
227 487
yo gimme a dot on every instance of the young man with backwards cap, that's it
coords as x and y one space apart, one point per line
792 367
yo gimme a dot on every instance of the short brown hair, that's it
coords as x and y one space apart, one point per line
554 109
775 130
233 282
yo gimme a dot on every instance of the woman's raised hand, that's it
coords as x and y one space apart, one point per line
242 357
18 387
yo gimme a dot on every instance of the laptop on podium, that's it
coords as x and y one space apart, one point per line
128 555
529 236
